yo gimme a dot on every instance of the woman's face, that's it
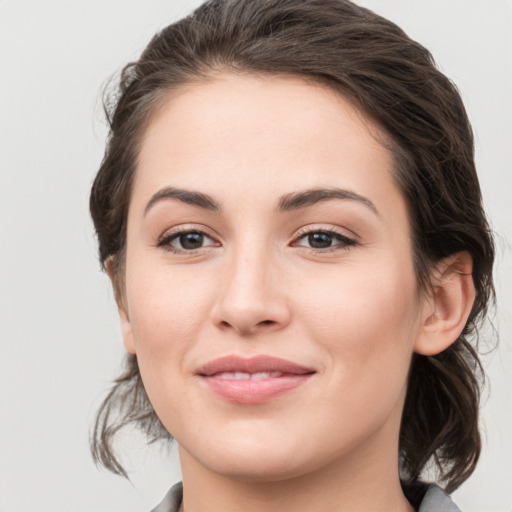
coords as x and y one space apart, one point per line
271 297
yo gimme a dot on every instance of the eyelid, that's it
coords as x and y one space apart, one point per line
349 240
170 234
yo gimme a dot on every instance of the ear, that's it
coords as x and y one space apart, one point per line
126 327
447 311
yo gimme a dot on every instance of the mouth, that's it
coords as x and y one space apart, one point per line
254 380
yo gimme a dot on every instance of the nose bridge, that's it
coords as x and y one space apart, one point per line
250 298
251 268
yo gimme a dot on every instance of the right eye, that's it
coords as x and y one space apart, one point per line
186 241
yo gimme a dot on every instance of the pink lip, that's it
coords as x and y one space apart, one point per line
251 391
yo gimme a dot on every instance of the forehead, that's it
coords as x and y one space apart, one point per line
252 135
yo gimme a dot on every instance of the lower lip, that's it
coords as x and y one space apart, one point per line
248 391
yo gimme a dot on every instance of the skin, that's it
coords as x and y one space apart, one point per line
351 311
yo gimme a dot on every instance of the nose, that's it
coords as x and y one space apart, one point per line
252 297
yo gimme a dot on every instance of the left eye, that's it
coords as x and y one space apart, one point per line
324 240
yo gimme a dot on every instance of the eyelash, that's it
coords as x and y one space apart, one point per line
166 240
344 242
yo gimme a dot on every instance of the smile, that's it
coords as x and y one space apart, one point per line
252 381
246 376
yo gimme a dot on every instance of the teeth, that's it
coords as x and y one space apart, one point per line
234 375
265 375
241 376
247 376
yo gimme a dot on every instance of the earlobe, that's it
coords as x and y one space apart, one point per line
126 328
126 331
446 314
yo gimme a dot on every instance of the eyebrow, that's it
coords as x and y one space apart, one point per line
297 200
185 196
289 202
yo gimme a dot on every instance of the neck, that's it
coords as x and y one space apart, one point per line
363 481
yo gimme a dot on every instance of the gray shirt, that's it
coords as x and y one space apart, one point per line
435 500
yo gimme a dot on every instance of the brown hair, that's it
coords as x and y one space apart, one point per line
393 80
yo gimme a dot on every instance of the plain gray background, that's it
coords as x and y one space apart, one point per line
60 343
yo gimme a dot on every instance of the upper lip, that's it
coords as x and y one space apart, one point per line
255 364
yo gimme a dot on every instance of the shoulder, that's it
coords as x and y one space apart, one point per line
436 500
172 500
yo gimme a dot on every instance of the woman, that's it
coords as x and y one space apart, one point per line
289 212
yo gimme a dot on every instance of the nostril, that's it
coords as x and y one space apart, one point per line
267 322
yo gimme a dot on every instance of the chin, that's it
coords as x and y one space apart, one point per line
249 458
257 469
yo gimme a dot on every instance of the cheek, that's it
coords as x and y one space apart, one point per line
167 314
367 327
167 308
365 317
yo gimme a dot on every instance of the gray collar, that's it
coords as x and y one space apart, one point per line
435 500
